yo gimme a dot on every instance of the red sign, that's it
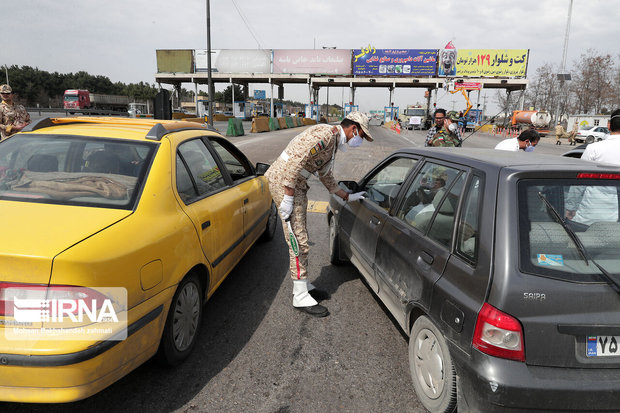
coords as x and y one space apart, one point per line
468 85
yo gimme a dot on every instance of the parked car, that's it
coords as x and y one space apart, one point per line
592 134
506 304
576 152
161 210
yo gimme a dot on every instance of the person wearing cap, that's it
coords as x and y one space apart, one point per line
445 131
13 118
312 152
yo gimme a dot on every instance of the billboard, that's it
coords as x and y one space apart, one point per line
311 61
175 61
235 61
394 62
492 63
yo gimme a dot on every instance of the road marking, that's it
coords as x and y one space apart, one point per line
317 206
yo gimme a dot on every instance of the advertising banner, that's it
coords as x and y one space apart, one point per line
175 61
311 61
492 63
394 62
234 61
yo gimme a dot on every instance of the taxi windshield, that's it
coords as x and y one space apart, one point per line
589 207
73 170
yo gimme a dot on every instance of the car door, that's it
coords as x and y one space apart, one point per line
213 204
252 190
414 244
360 222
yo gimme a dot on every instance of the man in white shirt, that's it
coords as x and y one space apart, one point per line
526 141
590 204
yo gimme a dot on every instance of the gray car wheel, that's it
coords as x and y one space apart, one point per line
334 243
182 323
431 367
590 139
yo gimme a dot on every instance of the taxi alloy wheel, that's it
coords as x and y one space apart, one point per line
432 371
183 322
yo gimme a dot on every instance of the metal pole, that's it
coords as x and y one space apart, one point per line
6 71
210 80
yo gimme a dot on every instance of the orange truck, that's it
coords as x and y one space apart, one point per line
539 119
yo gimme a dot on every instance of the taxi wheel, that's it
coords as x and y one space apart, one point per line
272 224
334 243
182 323
432 371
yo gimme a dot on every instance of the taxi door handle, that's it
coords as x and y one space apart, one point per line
206 224
245 201
375 221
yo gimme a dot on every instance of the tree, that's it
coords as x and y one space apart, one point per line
593 82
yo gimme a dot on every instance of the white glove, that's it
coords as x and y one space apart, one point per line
357 196
286 207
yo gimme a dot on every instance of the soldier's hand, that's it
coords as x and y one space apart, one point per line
286 206
357 196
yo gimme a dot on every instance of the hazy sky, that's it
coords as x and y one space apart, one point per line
118 39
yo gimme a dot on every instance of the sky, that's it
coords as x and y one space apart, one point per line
118 39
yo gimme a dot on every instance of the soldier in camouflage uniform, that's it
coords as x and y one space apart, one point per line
13 118
311 152
445 131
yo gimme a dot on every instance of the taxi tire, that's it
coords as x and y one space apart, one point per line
168 353
431 366
272 224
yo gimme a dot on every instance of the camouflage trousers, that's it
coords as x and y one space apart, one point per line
298 223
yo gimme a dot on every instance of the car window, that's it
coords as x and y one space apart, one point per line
235 163
443 222
185 186
425 194
204 171
590 208
468 231
73 170
384 185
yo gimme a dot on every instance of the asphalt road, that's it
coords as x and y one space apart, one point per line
256 353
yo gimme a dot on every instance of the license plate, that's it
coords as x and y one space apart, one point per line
598 346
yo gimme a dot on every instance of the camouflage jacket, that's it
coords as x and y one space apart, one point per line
311 152
11 115
443 137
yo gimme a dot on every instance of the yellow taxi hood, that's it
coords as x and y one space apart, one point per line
34 233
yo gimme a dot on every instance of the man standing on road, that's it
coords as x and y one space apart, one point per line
526 141
13 118
444 133
312 152
597 203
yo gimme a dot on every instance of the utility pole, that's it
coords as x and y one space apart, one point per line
210 80
563 76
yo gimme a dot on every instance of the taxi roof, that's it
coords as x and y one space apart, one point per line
114 127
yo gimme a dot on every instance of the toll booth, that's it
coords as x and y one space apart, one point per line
348 108
242 109
389 113
278 109
312 112
202 108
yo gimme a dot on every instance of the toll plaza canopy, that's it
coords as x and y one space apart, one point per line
470 69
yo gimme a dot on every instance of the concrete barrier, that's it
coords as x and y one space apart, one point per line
298 121
197 120
260 124
309 121
274 124
282 123
289 122
235 127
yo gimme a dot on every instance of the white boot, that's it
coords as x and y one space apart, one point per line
301 298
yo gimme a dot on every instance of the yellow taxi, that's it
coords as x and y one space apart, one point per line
142 218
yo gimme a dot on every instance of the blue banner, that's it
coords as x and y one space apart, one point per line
394 62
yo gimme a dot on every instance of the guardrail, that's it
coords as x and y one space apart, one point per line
71 112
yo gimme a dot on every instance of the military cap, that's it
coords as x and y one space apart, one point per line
6 89
359 117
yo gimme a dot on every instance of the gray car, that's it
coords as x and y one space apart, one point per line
508 303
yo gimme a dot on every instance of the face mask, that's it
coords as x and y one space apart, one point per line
356 140
529 148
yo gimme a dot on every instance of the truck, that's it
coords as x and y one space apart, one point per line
78 99
421 118
538 119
